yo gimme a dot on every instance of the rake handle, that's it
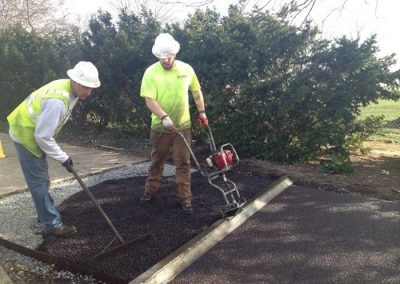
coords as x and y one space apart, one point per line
108 221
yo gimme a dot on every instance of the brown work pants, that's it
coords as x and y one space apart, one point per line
161 144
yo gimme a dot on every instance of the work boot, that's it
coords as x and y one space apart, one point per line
187 208
63 231
146 198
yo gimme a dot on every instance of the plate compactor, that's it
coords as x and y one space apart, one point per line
220 161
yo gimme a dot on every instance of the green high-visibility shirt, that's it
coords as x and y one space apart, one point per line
170 89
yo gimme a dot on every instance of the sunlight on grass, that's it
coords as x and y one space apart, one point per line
390 110
387 134
387 108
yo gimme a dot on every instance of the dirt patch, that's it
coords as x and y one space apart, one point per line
367 179
164 219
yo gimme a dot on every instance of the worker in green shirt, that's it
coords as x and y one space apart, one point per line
165 87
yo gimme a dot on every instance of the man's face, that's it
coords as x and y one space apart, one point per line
168 62
80 91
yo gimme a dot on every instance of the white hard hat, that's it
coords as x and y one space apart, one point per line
85 73
165 45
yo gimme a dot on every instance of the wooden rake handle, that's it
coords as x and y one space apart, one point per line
108 221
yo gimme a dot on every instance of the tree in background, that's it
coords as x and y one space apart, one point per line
36 46
28 61
121 52
38 16
274 90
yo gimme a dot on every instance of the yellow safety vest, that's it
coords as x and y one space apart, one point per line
23 119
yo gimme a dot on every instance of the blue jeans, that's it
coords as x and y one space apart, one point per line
36 175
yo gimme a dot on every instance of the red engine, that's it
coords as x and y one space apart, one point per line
221 159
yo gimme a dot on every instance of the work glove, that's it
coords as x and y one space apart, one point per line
202 118
68 164
167 123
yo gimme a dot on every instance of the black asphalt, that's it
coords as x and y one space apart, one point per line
308 236
303 236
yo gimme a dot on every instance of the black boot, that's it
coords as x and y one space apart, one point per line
146 198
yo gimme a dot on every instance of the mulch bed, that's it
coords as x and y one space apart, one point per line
164 219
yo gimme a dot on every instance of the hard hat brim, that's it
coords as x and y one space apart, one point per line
71 74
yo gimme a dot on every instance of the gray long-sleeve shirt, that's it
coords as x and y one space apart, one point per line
51 116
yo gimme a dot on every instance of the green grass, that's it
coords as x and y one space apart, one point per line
390 110
387 134
387 108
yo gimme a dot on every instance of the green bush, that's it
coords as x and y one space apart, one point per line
338 163
27 62
273 90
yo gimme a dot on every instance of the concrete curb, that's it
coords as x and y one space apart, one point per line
4 279
169 267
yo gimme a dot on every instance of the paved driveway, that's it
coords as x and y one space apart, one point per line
308 236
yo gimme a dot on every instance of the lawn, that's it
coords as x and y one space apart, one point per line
390 110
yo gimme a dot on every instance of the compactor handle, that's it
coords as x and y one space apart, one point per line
211 139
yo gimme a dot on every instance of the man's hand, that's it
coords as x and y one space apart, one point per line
167 123
69 165
202 118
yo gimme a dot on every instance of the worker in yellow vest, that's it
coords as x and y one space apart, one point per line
33 125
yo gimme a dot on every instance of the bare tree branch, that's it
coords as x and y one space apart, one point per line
187 3
33 15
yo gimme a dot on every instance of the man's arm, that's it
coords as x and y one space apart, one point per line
53 111
155 107
199 100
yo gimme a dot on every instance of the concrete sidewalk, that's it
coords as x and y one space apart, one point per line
86 161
